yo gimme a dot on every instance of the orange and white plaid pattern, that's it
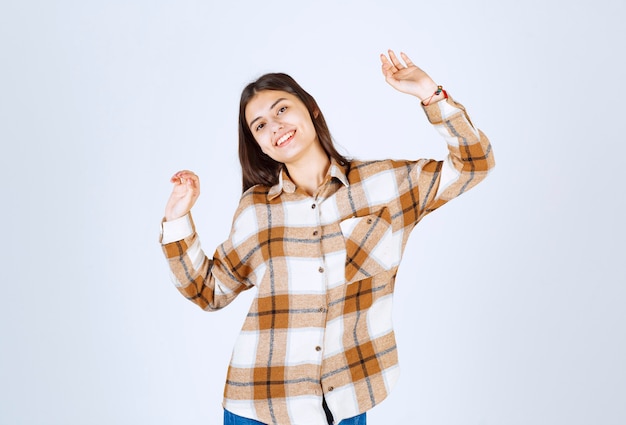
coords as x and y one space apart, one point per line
324 267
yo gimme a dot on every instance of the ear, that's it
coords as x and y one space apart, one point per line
316 113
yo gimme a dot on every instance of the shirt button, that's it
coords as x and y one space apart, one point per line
369 221
321 309
321 270
313 206
318 348
315 233
331 388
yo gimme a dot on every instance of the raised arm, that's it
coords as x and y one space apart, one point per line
433 183
211 283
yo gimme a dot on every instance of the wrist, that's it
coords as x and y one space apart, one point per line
171 216
424 92
438 94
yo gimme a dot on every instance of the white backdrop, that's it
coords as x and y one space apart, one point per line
510 300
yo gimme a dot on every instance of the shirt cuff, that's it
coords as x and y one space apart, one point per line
176 230
442 110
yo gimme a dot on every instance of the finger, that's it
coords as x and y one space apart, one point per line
387 66
394 59
384 60
406 59
191 180
177 179
185 173
182 175
176 176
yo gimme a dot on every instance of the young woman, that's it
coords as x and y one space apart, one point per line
321 238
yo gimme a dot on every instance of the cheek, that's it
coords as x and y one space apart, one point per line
261 142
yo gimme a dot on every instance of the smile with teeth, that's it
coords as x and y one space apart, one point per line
284 138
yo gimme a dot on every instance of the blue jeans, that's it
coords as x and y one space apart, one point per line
232 419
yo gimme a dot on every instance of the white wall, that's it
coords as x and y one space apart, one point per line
510 300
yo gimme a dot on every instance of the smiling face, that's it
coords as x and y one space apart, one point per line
282 126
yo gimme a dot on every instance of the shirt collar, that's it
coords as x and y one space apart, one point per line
285 184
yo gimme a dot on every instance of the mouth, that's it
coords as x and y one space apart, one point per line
285 138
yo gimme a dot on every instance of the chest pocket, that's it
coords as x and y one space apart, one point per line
371 247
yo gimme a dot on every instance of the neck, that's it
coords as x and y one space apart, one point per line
308 174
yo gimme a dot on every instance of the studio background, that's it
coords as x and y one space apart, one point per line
510 300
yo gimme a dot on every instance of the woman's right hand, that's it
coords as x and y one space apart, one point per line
184 194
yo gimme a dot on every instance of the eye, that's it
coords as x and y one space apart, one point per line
259 127
281 110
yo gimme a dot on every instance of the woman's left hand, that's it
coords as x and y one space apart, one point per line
408 78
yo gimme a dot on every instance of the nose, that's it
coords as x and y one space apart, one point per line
276 125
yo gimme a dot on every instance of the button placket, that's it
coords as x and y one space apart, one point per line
316 232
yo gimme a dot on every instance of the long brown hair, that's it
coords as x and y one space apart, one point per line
256 166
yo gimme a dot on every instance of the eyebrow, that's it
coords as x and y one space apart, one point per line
270 108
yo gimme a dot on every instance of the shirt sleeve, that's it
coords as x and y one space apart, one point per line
430 183
211 283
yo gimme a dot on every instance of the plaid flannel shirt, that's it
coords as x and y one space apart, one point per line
324 267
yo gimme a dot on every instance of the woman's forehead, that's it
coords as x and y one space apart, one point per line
264 100
265 96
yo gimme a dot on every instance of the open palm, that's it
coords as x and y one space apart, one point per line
406 77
